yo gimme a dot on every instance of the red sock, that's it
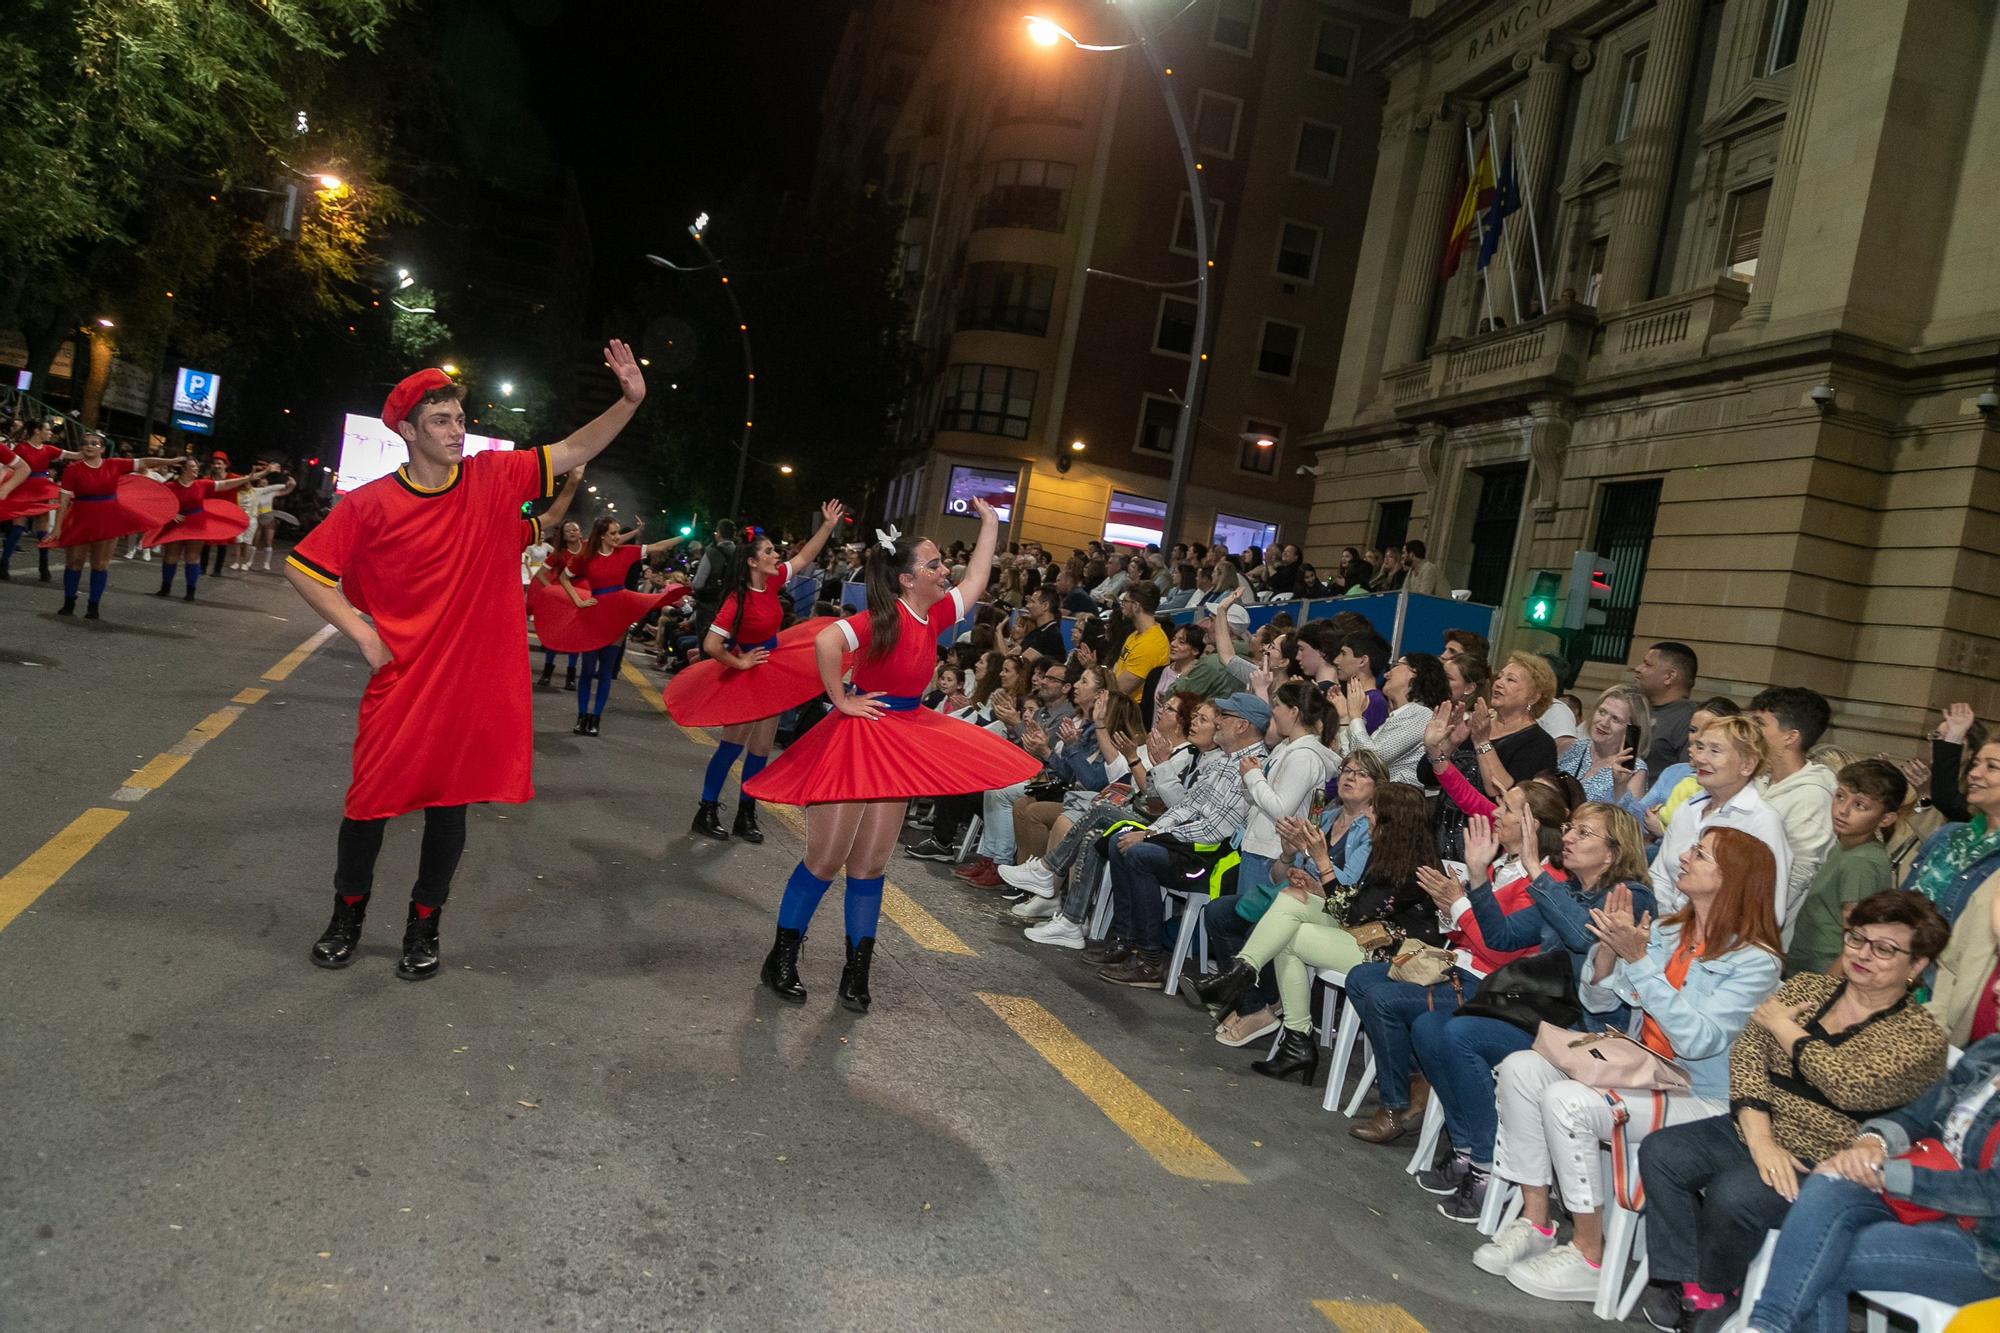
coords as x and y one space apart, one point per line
352 899
423 911
1699 1299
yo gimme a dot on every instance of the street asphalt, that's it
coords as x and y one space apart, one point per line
593 1118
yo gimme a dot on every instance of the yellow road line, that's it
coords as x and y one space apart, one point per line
156 772
290 661
897 905
153 776
1368 1317
52 860
249 694
1154 1128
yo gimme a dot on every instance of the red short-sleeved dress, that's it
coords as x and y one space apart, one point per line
202 517
449 720
38 492
714 694
908 751
565 627
110 500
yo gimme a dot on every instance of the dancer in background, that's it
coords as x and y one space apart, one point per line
103 499
38 497
202 519
260 503
596 609
218 552
856 771
753 674
543 587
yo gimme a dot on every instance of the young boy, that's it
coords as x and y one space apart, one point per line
429 553
1865 801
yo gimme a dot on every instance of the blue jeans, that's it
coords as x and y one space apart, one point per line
1389 1012
1136 877
1707 1207
1227 934
1458 1056
1840 1237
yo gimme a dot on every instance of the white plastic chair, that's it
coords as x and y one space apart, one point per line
1427 1138
971 838
1624 1241
1928 1315
1503 1205
1192 930
1753 1284
1100 914
1346 1034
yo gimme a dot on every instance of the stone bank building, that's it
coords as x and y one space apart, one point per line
1764 375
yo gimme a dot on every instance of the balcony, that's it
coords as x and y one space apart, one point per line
1545 356
1667 331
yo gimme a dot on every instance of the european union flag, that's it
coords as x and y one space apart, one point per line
1506 201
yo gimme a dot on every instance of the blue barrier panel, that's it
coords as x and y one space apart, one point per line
854 596
803 592
1068 628
1428 618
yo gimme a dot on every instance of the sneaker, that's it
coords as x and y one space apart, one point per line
977 866
985 876
1444 1178
1146 969
1557 1274
1242 1029
1470 1200
1662 1307
1031 908
930 849
1033 875
1059 931
1519 1240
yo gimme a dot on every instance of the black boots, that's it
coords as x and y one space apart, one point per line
854 977
1223 989
548 670
569 679
420 945
746 822
1297 1053
781 967
586 724
708 821
68 607
336 947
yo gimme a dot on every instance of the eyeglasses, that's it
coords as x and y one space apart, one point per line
1350 771
1882 949
1701 853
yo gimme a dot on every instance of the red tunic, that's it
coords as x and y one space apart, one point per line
449 720
13 506
110 500
715 694
37 493
565 627
909 750
202 517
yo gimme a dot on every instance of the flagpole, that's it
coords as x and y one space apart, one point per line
1478 215
1513 278
1527 187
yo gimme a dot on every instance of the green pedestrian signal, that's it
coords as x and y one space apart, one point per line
1541 608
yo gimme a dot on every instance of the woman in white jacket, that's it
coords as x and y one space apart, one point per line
1281 785
1415 686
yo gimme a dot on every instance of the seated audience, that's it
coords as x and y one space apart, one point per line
1666 676
1957 859
1601 760
1728 756
1414 687
1800 791
1864 810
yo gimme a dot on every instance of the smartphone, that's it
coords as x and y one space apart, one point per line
1632 739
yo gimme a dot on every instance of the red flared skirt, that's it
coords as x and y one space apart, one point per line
139 505
565 627
216 521
710 694
36 495
894 757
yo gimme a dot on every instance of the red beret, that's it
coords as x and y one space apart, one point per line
405 395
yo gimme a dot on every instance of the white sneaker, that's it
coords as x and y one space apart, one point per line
1032 908
1559 1274
1033 875
1514 1243
1059 931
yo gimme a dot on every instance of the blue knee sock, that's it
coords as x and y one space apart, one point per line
583 681
802 894
71 577
607 671
548 659
98 578
167 576
753 764
719 765
864 907
193 575
571 667
12 543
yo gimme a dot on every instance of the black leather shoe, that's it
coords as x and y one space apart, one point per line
582 727
708 821
569 680
854 977
1296 1054
190 595
1222 990
547 672
781 967
746 823
593 720
90 611
165 592
68 607
336 947
420 946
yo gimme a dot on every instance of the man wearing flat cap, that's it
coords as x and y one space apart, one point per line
430 554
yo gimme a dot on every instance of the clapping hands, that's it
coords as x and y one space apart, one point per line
1614 925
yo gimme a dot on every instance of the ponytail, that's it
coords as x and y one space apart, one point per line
884 573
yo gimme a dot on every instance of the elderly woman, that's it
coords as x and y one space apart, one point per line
1728 755
1551 1126
1605 764
1817 1057
1958 859
1508 740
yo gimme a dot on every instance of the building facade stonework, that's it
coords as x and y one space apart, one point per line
1772 282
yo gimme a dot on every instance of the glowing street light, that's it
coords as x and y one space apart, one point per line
1076 446
103 323
1047 32
332 183
449 369
785 468
506 388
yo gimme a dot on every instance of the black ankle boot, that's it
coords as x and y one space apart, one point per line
854 977
167 591
420 946
593 719
548 671
1296 1054
746 822
336 947
708 821
68 607
190 595
1223 989
781 966
582 727
90 610
569 679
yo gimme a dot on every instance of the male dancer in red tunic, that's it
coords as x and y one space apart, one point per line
430 553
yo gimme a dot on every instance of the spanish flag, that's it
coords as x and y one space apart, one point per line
1477 198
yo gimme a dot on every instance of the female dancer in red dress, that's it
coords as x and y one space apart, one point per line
856 771
753 674
37 497
596 609
202 519
542 587
103 499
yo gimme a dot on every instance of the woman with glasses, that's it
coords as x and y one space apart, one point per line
1414 686
1817 1057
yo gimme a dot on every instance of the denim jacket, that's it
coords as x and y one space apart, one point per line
1557 917
1081 764
1702 1017
1968 1193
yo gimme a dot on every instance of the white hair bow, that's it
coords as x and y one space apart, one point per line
888 539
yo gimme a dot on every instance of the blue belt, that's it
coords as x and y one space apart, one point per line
896 703
43 473
609 587
186 512
93 497
769 645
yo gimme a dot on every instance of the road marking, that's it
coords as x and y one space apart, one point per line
1368 1317
249 694
1152 1126
52 860
898 906
290 661
161 767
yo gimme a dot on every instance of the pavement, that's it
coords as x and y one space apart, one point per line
595 1117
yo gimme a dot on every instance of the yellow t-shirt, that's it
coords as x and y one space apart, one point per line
1143 651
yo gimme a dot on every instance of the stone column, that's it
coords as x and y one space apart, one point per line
1785 180
1646 179
1423 247
1548 65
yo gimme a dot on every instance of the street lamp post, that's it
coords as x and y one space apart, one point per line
749 364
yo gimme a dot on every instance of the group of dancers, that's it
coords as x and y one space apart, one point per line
430 555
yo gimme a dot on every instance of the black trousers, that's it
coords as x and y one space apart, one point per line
1707 1209
361 842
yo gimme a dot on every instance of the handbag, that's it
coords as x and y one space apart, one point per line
1422 964
1046 789
1606 1060
1932 1155
1372 936
1528 993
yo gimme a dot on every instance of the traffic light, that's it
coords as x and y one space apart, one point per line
1539 610
1589 590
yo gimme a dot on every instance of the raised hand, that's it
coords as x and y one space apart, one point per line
831 511
1958 720
1441 888
987 513
1479 722
1917 773
631 384
1437 732
1481 846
